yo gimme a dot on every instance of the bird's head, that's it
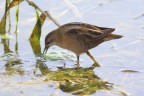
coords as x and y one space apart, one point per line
49 41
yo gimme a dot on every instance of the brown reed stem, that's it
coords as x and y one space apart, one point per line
46 13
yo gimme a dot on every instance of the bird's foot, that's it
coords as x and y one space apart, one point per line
77 65
96 64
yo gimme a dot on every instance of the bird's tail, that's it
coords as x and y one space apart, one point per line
112 36
106 33
115 36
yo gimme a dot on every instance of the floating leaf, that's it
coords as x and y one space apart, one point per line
53 53
129 71
58 56
53 58
123 93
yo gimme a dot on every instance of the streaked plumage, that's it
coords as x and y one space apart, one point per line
79 37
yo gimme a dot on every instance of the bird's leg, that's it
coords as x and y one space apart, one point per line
97 64
77 59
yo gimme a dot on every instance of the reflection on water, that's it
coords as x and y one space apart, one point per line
13 65
6 45
78 81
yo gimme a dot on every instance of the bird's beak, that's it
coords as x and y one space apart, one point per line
45 50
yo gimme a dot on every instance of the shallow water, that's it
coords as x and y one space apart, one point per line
22 72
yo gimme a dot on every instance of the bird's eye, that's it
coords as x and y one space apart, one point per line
48 42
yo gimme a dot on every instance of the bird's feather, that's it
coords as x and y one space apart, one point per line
88 34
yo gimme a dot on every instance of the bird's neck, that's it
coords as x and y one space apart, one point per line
58 37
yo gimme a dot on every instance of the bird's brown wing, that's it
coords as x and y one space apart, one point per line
85 34
86 25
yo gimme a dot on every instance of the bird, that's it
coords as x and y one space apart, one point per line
79 38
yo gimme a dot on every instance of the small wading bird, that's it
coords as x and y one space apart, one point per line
79 38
